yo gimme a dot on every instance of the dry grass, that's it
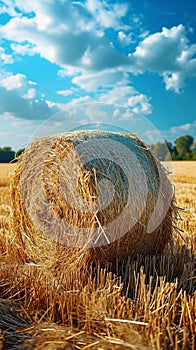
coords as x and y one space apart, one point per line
124 307
188 176
63 161
6 170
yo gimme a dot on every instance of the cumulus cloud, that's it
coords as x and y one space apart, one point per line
172 133
168 53
18 95
31 93
65 92
20 107
189 128
124 38
128 96
65 33
8 8
103 79
4 57
17 98
159 51
24 49
73 35
16 81
78 101
107 15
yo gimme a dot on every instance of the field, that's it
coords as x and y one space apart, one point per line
146 303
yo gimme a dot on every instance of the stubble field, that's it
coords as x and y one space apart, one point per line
147 303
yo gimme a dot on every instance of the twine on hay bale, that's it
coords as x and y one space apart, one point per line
56 206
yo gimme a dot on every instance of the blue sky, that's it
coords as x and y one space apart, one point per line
57 55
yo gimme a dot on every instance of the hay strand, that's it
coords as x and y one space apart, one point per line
57 211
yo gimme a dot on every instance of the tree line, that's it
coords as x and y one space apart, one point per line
183 148
8 155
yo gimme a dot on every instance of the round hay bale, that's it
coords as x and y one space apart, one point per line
92 195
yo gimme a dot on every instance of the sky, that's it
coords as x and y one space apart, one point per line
127 63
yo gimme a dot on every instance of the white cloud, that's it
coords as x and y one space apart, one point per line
12 102
172 133
140 104
173 81
61 40
118 94
68 70
159 51
7 7
75 102
152 136
14 82
7 116
144 34
168 53
184 128
103 79
107 15
60 31
31 93
128 96
17 99
78 101
73 35
24 49
124 38
65 92
104 56
5 58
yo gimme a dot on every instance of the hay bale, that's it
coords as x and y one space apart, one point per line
90 195
13 334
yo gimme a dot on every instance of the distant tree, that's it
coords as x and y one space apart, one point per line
169 146
5 149
194 151
6 156
19 152
183 147
172 151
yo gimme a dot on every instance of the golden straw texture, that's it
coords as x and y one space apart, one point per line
57 213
